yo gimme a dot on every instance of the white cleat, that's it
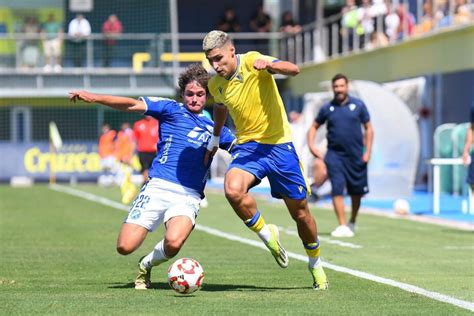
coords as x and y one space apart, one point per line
342 231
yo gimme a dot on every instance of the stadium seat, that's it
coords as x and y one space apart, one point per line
458 139
443 148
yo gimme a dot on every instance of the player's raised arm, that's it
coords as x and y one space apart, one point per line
277 67
116 102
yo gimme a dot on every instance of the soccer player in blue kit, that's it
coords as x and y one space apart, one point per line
467 147
177 176
346 159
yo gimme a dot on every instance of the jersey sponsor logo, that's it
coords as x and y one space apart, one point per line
199 135
352 106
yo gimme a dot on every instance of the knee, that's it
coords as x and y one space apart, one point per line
173 245
124 249
302 215
233 192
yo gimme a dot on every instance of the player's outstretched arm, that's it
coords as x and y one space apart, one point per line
116 102
311 136
279 67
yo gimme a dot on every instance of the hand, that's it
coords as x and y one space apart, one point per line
82 95
211 149
466 158
261 64
366 157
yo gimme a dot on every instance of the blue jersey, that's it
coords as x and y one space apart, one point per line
344 121
183 137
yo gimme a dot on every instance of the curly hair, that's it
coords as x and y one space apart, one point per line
195 72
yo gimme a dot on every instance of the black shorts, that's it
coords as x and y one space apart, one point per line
344 172
146 159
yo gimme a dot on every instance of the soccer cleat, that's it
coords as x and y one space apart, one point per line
342 231
320 281
143 282
275 247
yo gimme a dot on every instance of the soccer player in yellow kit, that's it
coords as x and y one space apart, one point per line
245 87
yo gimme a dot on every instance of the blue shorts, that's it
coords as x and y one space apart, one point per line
470 175
346 172
279 163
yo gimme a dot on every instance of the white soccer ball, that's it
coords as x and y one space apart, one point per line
185 276
401 207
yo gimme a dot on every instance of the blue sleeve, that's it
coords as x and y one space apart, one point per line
158 108
322 116
364 114
227 139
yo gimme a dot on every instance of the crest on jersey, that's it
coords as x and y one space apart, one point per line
352 106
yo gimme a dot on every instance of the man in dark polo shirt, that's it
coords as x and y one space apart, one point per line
348 150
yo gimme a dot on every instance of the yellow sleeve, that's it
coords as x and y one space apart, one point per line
251 57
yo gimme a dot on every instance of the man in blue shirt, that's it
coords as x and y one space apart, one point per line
467 148
177 175
346 159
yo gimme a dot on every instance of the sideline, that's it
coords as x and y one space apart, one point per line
363 275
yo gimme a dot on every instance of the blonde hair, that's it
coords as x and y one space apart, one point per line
215 39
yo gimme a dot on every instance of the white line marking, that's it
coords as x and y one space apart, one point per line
325 239
363 275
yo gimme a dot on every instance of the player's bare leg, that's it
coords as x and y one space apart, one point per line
177 231
308 232
236 185
130 238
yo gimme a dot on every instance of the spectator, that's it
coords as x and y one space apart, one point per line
261 22
407 21
461 12
79 29
29 50
111 29
52 34
146 136
229 22
392 21
288 24
349 23
426 23
366 22
106 150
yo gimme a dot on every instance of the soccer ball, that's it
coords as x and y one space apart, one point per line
185 276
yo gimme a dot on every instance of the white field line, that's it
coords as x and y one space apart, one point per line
363 275
325 239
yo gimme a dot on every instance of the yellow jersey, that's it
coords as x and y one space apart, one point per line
253 101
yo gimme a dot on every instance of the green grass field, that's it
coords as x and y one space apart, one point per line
58 257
